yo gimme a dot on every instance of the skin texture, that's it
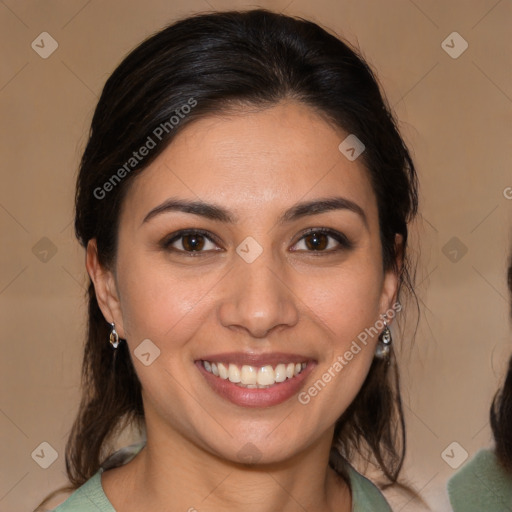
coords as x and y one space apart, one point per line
290 299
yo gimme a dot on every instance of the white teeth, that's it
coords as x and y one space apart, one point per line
254 377
266 376
280 373
234 373
248 375
223 371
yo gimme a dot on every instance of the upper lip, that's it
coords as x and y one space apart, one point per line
251 359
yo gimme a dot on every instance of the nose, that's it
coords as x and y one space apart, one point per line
257 299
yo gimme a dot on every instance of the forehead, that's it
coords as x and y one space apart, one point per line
247 160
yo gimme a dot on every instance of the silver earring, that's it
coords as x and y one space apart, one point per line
114 337
384 344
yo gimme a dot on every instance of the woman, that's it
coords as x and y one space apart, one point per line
485 482
244 200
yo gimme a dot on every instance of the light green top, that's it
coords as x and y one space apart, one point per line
90 497
481 485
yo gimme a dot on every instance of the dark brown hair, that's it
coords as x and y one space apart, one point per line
501 409
215 61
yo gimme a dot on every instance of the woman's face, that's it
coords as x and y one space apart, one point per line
278 272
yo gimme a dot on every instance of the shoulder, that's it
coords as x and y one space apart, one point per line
481 484
89 496
366 497
54 499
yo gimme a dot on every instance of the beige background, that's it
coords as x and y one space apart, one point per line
455 113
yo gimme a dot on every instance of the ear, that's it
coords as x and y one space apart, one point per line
105 288
391 280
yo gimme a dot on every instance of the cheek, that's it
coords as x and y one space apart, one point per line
347 305
346 299
158 301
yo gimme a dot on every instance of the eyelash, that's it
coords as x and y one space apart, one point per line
343 241
340 238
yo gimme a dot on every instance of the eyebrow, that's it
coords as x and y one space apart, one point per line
297 211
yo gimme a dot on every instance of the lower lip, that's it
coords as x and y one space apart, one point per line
255 397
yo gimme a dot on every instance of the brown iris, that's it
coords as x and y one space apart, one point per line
193 242
316 241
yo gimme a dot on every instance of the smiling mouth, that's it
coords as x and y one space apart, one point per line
251 377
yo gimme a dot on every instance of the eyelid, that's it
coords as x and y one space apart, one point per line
340 238
173 237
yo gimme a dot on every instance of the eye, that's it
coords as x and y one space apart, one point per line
190 241
322 240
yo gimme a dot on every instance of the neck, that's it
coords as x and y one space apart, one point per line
171 473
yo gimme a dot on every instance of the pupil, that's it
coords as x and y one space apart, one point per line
316 241
193 242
